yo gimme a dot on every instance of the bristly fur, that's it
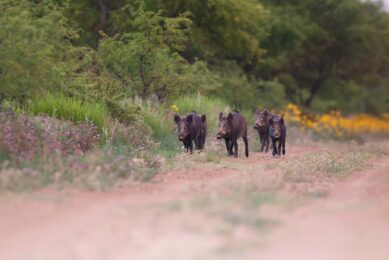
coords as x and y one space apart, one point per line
191 128
230 129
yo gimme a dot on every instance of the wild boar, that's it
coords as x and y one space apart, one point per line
191 128
230 128
262 126
277 132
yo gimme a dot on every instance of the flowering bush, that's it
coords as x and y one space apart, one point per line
26 138
69 137
337 124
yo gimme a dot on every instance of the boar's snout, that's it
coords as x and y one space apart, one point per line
259 124
220 134
183 135
277 133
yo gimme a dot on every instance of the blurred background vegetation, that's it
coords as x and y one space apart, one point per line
322 55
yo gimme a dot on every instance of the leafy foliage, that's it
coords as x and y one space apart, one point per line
249 53
34 39
223 29
146 59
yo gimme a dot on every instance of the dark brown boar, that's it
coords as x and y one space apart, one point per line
191 128
230 128
262 125
277 132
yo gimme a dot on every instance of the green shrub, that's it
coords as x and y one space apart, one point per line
72 109
125 113
35 40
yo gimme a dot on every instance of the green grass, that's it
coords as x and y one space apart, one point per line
72 109
161 123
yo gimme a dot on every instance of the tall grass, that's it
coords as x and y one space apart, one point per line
160 120
72 109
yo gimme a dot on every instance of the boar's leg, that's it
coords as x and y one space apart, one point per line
235 144
191 147
228 146
274 146
279 147
185 145
197 142
262 142
246 146
267 143
283 147
202 141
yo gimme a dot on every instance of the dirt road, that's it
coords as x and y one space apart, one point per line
192 214
351 223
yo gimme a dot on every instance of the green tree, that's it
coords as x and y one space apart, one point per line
34 40
222 29
147 58
315 46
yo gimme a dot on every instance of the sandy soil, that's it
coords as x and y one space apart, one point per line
141 221
351 223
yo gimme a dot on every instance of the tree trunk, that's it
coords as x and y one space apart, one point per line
103 14
145 85
324 72
313 91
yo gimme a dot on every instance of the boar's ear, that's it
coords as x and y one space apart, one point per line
177 118
220 115
189 118
282 119
229 117
271 120
203 117
266 112
257 112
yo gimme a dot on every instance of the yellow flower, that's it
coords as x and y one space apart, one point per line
337 124
174 107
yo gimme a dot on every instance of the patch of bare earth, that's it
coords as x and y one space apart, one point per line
352 222
202 214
